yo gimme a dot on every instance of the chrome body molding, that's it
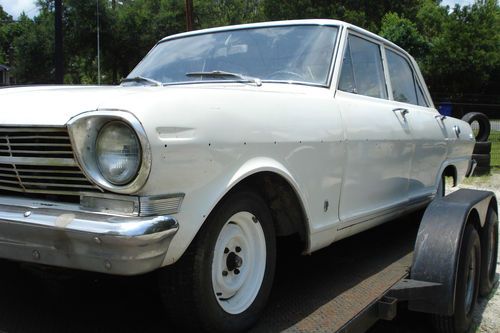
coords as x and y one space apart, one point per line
81 240
84 129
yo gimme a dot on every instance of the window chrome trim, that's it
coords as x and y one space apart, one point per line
83 130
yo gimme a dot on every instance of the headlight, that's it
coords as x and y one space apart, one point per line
118 153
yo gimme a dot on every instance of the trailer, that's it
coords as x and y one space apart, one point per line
436 262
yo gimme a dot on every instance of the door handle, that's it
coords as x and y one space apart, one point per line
440 117
403 111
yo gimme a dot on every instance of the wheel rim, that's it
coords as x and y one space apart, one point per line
239 262
471 282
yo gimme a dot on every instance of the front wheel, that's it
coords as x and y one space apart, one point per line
222 282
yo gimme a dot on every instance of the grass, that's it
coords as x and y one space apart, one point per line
495 148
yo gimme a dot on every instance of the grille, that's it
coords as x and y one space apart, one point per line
40 160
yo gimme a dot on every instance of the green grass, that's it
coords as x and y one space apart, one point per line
495 148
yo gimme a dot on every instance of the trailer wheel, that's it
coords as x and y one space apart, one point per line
468 275
222 282
489 250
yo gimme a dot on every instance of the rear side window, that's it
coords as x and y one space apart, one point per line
404 87
362 69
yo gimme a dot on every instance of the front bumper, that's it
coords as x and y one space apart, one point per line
89 241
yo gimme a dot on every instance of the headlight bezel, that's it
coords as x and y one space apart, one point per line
84 130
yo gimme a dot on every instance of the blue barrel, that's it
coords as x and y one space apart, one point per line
446 109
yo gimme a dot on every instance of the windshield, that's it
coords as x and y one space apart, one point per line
283 53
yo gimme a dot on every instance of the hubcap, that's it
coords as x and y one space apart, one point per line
239 262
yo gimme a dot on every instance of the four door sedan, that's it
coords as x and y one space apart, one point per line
217 143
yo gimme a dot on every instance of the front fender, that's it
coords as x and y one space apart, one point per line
198 204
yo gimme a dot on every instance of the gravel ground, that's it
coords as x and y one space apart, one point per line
487 314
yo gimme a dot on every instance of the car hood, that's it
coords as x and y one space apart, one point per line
55 105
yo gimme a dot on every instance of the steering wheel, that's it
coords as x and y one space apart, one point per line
285 75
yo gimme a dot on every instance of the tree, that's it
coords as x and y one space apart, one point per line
404 33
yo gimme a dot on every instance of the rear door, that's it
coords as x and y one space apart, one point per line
378 137
426 125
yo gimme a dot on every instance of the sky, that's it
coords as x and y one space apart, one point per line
16 7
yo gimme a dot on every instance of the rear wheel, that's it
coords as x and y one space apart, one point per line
489 251
467 288
223 281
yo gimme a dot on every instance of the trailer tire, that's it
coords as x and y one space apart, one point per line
467 288
223 281
481 171
489 251
484 124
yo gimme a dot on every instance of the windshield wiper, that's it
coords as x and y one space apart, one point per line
242 77
141 79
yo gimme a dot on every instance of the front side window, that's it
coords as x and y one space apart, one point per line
362 69
301 53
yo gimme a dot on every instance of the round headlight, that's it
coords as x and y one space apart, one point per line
118 153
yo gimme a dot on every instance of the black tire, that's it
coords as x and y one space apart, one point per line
461 320
483 160
441 190
484 124
187 286
481 171
489 251
482 148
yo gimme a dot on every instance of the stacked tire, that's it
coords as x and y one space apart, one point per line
482 148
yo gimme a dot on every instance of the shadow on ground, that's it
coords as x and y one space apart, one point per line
99 303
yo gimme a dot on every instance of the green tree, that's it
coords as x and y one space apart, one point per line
404 33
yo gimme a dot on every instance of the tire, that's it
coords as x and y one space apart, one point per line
482 148
489 251
235 246
441 190
481 171
467 288
482 160
484 124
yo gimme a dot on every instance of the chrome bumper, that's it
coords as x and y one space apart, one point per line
83 240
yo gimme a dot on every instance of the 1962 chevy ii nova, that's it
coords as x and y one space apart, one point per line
218 142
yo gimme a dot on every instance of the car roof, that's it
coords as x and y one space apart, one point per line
326 22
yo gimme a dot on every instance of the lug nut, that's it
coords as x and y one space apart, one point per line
226 250
238 249
236 271
224 273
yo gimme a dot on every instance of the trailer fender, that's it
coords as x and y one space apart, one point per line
438 245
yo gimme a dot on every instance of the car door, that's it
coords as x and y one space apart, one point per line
426 125
378 139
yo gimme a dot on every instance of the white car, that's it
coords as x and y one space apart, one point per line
217 143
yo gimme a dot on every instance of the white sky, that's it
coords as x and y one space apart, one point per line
16 7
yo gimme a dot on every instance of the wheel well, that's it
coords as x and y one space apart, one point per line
285 205
451 171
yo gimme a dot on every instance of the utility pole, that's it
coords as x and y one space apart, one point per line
58 50
98 46
189 15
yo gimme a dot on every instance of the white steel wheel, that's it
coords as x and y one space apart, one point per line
239 262
222 283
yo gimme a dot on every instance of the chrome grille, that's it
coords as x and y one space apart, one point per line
40 160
